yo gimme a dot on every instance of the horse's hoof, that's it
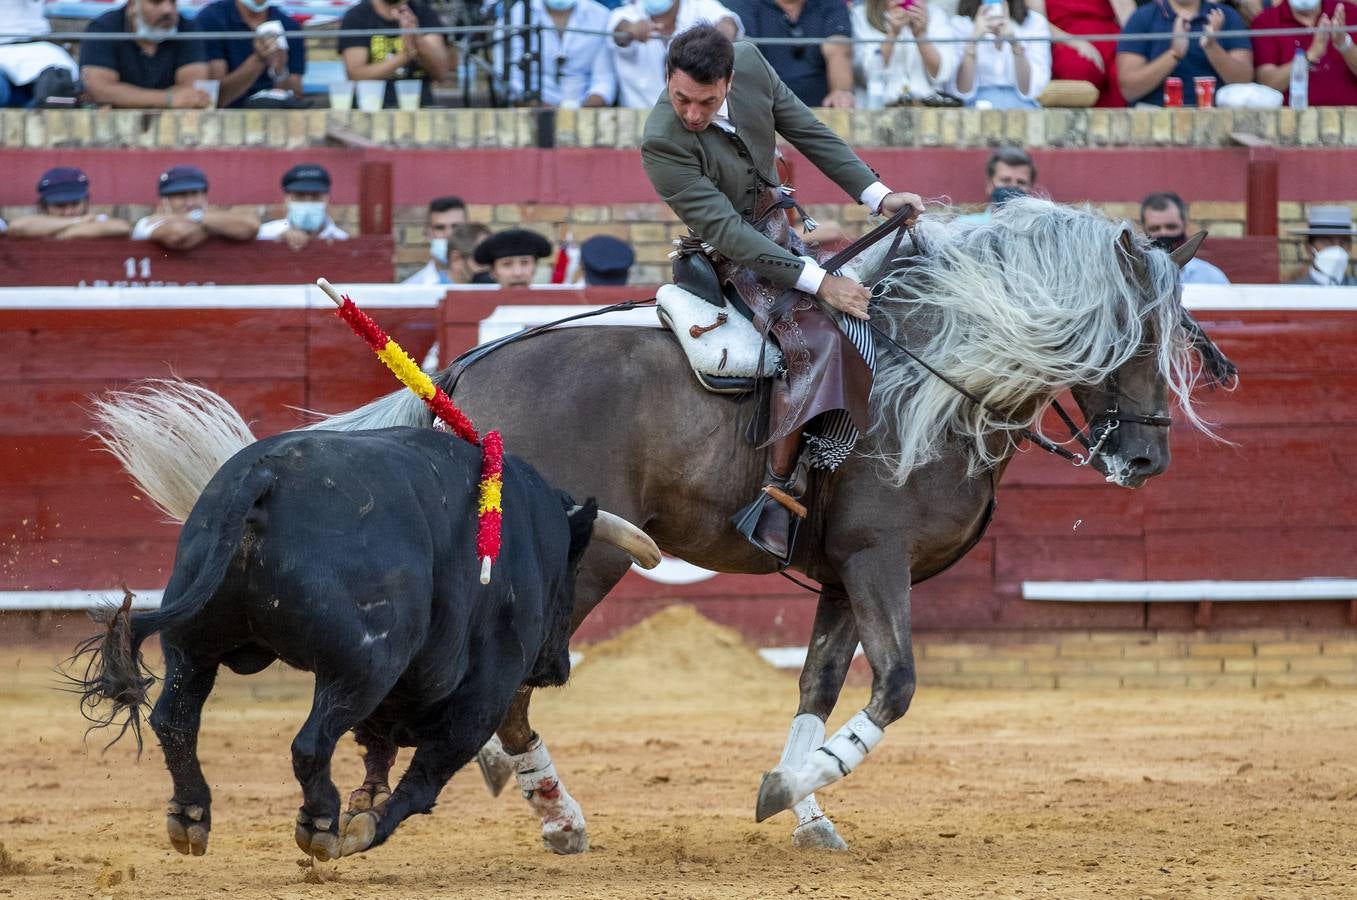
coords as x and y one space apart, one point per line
368 796
565 839
776 793
188 828
357 832
315 837
496 767
817 834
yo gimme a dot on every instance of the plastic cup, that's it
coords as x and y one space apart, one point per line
370 95
1205 86
407 93
341 95
211 87
572 87
1173 91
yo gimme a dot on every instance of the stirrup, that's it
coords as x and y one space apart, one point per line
747 520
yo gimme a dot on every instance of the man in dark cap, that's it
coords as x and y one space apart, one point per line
606 260
183 219
512 256
63 210
307 190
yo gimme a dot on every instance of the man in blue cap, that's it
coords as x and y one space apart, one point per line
64 210
183 219
307 189
606 260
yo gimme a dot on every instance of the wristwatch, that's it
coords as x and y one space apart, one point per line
195 215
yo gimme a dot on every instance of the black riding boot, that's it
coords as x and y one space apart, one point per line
770 522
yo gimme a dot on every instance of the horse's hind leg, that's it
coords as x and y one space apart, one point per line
175 719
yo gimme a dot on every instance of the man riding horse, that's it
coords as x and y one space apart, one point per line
710 151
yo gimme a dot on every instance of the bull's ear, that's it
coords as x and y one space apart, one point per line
1184 252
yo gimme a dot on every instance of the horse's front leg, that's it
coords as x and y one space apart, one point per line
878 589
828 656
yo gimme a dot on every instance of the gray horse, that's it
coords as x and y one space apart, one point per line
1041 299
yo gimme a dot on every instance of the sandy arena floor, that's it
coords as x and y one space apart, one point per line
663 735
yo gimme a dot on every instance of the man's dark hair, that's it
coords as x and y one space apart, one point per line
1017 9
443 204
1010 155
1161 201
703 53
464 238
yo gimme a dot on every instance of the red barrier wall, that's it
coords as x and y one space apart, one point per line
1279 502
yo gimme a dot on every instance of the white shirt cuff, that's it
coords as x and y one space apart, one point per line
809 280
872 197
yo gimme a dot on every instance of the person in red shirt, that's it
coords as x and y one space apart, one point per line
1082 60
1330 52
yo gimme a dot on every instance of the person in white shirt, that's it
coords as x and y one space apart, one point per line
1004 64
1328 245
576 70
642 30
23 60
892 71
448 255
307 189
183 220
1163 218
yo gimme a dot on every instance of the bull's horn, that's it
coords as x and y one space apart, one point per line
622 534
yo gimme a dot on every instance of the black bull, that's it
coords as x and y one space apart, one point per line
276 561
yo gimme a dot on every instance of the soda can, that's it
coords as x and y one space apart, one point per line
1206 90
1173 91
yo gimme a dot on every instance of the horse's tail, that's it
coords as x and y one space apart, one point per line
113 669
397 408
171 437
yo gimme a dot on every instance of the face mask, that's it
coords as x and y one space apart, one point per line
306 216
559 5
148 33
1169 242
1001 195
438 249
657 7
253 6
1305 6
1332 263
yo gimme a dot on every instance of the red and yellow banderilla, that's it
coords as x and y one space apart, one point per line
489 507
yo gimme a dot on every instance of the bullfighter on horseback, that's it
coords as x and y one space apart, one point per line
710 151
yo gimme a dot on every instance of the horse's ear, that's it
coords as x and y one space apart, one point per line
1133 255
1183 253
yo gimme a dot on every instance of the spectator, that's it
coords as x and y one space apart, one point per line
146 71
642 30
1330 52
307 191
821 74
1081 60
512 256
445 214
1006 63
1163 218
606 260
23 61
1328 246
63 210
1187 48
1009 173
184 220
384 57
908 71
246 67
576 68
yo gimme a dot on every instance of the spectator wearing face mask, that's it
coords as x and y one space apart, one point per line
183 220
307 191
145 71
1163 218
1009 173
576 68
642 30
446 214
1330 52
253 62
512 256
1328 244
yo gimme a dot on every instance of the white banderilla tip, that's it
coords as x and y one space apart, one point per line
486 562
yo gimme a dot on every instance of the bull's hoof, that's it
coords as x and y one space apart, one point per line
817 834
565 838
188 827
776 793
368 797
357 832
316 837
496 767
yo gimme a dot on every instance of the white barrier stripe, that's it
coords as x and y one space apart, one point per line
1190 591
91 598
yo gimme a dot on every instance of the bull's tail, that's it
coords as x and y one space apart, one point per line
107 670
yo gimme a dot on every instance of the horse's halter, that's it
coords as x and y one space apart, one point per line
1111 420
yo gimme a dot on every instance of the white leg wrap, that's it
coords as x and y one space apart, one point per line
807 733
544 792
840 755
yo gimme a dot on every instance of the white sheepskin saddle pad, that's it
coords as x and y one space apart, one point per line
730 350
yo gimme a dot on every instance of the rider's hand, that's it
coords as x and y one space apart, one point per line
893 203
845 295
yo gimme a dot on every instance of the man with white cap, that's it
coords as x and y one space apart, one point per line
1328 245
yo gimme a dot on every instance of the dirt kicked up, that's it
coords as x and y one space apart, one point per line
662 736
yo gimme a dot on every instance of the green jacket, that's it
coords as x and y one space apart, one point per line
711 179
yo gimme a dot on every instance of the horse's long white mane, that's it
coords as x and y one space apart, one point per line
1035 300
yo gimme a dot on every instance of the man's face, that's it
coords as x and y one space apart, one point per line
185 202
1161 223
1319 242
440 224
1011 176
513 271
696 103
308 197
158 14
73 210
